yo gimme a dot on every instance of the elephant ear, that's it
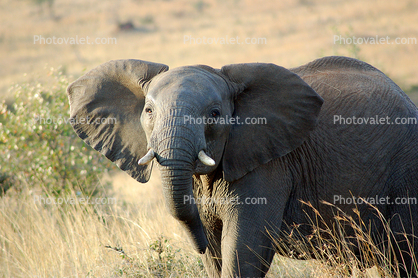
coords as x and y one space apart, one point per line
283 108
105 106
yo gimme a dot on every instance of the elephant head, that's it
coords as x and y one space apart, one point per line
134 111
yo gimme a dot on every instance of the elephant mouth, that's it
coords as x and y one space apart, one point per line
203 164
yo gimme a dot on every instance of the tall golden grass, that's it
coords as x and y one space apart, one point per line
136 237
338 251
124 239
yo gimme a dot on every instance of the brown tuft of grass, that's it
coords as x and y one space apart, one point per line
332 252
83 240
136 237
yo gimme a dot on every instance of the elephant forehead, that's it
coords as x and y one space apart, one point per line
187 82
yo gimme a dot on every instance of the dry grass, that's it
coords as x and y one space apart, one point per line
335 250
135 237
127 239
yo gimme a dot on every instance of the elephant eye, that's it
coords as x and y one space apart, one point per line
215 113
148 111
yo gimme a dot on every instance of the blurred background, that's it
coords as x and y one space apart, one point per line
45 44
288 33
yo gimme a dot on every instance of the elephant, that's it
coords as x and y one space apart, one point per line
241 149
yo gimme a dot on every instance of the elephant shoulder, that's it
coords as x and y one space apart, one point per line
334 64
340 73
342 80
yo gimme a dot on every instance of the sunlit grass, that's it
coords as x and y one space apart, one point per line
80 240
334 248
136 237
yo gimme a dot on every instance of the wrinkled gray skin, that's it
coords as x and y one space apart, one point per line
300 154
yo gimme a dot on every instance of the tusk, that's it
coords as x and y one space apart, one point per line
205 159
147 158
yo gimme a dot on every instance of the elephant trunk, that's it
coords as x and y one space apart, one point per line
176 157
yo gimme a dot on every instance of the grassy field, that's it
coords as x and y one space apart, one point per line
135 237
132 236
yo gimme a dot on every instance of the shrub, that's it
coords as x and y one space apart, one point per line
38 146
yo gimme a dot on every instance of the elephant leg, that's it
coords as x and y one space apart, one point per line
247 255
247 249
256 208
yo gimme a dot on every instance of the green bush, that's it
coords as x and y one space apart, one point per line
38 146
159 259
